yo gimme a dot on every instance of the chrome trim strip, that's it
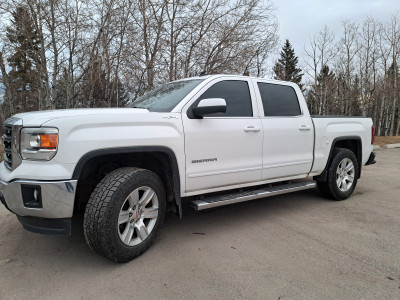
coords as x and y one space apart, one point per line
17 159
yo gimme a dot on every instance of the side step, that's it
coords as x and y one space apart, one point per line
221 200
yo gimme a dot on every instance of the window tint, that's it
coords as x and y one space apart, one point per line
279 100
236 94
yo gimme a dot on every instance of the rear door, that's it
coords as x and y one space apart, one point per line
225 149
288 131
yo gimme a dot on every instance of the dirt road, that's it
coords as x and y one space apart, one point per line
296 246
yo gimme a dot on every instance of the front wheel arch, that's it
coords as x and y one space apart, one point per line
146 157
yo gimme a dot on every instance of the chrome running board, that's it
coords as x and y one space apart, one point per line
221 200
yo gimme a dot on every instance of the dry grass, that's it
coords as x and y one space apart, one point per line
1 153
383 140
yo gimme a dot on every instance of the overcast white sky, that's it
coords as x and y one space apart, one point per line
300 19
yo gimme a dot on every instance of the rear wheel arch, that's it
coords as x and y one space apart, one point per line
353 143
95 165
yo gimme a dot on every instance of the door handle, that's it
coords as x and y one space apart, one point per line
251 129
304 127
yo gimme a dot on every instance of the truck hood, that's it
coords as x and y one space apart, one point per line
38 118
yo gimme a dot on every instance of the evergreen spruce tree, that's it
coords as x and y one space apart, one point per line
393 73
23 74
286 67
326 91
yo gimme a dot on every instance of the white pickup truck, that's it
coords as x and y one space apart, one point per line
208 141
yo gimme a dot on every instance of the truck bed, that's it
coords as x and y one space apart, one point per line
329 129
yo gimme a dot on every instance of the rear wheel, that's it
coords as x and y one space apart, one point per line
124 213
342 175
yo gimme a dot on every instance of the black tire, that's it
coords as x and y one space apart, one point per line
102 212
330 188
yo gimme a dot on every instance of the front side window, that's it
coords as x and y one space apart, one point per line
237 97
279 100
166 97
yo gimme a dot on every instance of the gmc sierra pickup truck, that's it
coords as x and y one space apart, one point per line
207 141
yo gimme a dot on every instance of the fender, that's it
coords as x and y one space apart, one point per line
324 174
126 150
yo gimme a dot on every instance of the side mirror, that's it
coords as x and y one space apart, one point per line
209 106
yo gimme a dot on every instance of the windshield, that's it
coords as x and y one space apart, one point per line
166 97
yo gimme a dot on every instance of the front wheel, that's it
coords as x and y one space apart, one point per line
342 175
124 213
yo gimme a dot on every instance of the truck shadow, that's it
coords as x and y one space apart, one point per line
71 253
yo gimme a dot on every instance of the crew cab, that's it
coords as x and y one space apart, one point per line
206 141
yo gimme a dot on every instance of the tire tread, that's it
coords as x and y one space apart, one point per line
101 206
329 188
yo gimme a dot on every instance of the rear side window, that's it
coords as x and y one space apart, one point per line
279 100
236 94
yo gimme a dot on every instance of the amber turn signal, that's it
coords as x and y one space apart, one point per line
49 141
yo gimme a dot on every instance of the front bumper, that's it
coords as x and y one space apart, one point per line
46 226
55 199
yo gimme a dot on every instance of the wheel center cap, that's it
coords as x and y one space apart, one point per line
134 215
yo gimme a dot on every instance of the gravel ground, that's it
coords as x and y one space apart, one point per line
296 246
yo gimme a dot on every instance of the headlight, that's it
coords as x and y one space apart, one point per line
39 143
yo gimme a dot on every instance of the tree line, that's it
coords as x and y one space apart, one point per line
90 53
103 53
356 73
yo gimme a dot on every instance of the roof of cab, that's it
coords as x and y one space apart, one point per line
239 76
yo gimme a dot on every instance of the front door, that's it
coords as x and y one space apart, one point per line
225 149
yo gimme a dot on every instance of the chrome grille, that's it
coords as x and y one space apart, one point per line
7 145
10 141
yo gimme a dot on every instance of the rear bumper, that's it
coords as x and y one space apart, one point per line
371 159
